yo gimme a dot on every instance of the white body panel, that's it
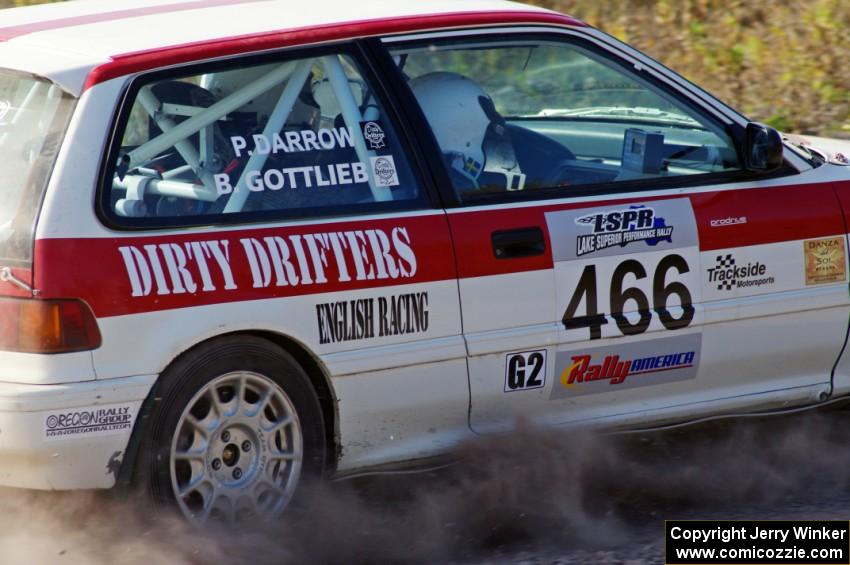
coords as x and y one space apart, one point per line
82 460
401 414
400 397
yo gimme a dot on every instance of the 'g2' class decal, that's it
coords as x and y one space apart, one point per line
525 370
620 295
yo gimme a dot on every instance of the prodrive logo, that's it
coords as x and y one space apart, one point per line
721 222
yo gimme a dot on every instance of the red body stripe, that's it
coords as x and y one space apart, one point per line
11 32
773 214
95 270
129 63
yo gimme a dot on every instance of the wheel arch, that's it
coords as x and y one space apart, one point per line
312 365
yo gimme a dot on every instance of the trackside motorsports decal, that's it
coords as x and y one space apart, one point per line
727 273
368 318
825 260
94 421
618 230
630 365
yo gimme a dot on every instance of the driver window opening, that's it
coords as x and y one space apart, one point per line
526 115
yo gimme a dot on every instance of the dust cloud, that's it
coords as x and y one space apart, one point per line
568 488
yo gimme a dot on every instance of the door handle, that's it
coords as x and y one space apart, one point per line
522 242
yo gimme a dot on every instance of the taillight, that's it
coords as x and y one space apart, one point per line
47 326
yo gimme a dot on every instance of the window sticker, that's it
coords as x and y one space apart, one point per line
373 133
336 174
384 169
293 142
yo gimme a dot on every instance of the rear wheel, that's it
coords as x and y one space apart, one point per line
235 434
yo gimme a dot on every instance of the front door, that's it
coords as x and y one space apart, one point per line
616 261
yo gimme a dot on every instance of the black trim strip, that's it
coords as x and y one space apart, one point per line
422 136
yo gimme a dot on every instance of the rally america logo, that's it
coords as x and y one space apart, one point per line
615 369
622 227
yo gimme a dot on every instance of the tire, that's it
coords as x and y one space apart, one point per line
236 432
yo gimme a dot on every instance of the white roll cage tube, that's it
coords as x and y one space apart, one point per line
294 73
281 112
352 117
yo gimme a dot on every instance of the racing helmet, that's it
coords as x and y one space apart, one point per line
453 106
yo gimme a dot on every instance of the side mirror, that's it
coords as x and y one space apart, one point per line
764 148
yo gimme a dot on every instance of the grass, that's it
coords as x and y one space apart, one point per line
785 63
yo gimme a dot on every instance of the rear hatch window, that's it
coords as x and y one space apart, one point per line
34 115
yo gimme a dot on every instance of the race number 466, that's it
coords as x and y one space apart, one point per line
624 298
525 371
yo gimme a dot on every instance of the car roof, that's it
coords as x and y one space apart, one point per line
83 42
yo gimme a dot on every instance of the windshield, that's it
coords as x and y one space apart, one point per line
33 116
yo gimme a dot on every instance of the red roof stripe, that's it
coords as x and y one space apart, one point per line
129 63
11 32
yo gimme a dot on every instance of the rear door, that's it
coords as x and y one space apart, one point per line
669 282
271 193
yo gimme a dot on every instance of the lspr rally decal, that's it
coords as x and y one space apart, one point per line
630 365
621 227
619 230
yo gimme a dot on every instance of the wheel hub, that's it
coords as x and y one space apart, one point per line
237 450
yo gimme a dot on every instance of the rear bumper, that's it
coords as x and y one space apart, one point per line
67 436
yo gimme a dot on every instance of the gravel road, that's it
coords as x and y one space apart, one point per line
564 496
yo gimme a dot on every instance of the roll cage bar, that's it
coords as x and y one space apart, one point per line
138 181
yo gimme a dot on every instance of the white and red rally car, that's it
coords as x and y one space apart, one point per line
244 243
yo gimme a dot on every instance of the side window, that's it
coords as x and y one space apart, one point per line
299 137
527 114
